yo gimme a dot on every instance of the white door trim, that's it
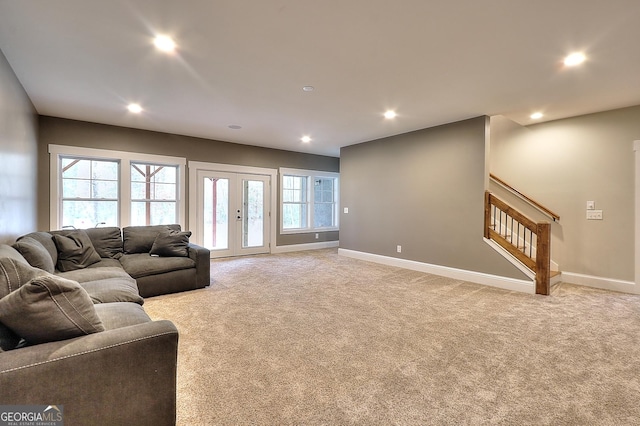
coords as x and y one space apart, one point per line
195 166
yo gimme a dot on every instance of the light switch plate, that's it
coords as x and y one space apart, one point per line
591 205
594 214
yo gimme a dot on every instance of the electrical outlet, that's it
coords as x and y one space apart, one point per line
594 214
399 249
591 205
317 236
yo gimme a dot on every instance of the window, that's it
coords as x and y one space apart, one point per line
309 200
153 194
324 202
91 187
89 192
295 206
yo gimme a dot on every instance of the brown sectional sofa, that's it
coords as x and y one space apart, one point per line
79 337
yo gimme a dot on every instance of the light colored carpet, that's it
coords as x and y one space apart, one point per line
314 338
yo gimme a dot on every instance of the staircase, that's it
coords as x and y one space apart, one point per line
526 240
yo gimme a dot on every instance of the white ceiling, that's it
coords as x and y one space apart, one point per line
244 62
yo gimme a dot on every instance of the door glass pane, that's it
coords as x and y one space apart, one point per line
216 213
253 215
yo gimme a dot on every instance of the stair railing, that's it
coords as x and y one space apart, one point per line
554 216
526 240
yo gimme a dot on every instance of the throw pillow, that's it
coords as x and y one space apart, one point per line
49 308
75 251
171 244
140 239
35 253
14 274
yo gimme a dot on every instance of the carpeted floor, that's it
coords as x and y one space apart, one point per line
313 338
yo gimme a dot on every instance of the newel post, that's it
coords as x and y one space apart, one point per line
543 258
487 213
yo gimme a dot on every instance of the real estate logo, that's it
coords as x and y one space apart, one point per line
31 415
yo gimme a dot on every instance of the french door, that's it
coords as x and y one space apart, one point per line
233 213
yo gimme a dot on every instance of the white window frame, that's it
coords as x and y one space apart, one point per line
125 159
311 175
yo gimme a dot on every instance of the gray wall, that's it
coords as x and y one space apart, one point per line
78 133
18 156
565 163
423 190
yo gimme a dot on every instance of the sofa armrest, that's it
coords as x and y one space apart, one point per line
109 377
202 257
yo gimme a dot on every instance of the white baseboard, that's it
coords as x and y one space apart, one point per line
600 282
307 246
513 284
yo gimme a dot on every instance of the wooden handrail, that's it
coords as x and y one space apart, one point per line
528 199
541 263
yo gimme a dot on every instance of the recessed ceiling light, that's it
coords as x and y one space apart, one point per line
305 139
134 108
574 59
536 115
308 88
164 43
235 127
390 114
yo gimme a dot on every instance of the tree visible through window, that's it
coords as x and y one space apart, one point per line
89 192
153 194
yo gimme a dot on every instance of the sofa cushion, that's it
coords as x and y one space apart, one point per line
49 308
171 243
105 262
106 241
140 239
46 239
11 253
143 264
92 274
35 253
121 314
111 290
75 251
14 274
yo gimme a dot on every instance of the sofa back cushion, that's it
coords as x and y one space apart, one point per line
106 241
46 239
35 253
140 239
